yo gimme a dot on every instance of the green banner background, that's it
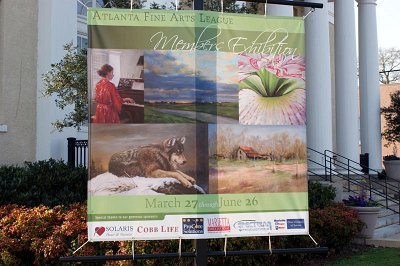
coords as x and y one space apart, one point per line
192 204
234 33
193 31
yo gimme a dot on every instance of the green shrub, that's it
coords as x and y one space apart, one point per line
320 196
47 182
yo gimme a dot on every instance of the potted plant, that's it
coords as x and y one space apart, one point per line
391 134
367 210
392 166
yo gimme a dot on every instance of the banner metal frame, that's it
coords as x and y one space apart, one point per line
200 245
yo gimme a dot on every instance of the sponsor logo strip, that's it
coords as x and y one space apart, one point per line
202 226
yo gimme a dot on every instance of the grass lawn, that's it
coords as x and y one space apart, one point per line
373 256
152 116
230 110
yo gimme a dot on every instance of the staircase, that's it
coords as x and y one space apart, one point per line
352 177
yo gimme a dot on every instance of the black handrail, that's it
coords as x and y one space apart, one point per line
77 152
350 171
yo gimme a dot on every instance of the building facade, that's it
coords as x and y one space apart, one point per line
32 35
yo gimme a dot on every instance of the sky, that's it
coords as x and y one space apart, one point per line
388 22
186 76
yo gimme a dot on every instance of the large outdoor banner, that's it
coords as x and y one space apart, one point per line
198 125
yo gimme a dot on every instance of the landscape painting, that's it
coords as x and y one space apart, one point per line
257 159
190 87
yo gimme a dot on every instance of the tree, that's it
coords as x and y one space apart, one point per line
67 80
389 62
155 5
137 4
229 6
392 117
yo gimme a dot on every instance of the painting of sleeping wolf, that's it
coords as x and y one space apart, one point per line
154 160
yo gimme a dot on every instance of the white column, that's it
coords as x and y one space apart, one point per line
57 25
318 84
346 94
279 10
369 83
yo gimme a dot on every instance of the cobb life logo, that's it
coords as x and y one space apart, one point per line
112 231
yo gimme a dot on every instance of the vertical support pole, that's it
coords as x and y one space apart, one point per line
326 172
200 244
71 152
348 168
398 191
386 194
198 4
370 186
201 252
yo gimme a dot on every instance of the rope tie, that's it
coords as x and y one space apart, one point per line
315 242
269 243
82 4
133 248
265 8
84 244
180 247
226 241
309 12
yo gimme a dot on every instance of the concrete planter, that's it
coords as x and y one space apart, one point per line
369 216
392 169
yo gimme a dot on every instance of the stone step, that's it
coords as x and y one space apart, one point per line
375 182
390 204
382 184
387 231
384 242
386 212
387 220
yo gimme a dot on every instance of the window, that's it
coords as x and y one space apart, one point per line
82 43
81 9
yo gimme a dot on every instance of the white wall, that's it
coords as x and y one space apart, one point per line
18 55
57 25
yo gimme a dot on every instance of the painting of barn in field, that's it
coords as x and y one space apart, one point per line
257 159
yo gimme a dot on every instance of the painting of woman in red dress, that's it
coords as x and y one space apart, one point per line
109 103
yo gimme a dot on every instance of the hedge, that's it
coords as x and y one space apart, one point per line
47 182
